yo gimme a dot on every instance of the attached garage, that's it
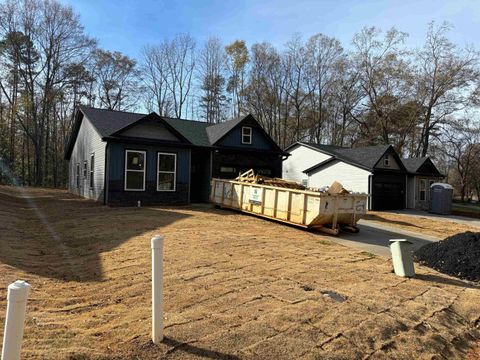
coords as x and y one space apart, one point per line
376 170
388 191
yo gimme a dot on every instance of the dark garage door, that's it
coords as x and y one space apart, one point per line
388 192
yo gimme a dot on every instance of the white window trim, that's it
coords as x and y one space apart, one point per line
142 171
250 135
85 169
167 172
91 179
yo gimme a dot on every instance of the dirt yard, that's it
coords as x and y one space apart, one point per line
236 287
439 228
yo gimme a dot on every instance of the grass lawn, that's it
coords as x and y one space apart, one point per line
465 209
236 286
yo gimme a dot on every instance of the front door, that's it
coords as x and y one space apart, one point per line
200 176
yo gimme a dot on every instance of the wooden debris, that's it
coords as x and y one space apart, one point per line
252 178
337 189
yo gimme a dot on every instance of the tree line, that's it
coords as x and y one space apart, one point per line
377 90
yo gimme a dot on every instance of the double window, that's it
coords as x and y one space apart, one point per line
166 171
135 163
135 170
92 167
246 135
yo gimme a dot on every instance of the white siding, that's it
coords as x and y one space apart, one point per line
351 177
88 141
301 158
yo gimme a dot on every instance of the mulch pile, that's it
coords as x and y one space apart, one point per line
457 255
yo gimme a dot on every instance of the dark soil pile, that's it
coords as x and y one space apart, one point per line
457 255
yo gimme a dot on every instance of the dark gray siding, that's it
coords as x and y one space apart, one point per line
116 170
234 139
150 131
240 161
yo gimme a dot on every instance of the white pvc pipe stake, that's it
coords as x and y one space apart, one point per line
15 320
157 289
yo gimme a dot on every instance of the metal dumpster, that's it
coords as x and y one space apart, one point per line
308 209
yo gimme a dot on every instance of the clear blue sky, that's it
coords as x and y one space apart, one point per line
127 25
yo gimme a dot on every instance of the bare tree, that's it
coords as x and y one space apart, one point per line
212 80
155 78
52 38
384 77
117 79
299 85
180 63
446 78
322 55
461 140
236 62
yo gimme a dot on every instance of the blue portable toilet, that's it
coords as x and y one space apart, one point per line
441 196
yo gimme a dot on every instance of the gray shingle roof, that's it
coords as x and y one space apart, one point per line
108 122
421 166
193 131
217 131
413 164
199 133
365 157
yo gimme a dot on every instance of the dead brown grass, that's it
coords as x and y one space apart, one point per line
439 228
235 287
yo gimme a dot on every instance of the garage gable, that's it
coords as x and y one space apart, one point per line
390 160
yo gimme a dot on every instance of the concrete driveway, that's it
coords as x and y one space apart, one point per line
424 214
374 238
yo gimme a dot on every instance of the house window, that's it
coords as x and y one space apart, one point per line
266 172
167 171
135 170
78 175
92 167
226 169
430 183
246 135
85 167
423 190
386 160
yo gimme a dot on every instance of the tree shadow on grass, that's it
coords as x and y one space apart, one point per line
47 236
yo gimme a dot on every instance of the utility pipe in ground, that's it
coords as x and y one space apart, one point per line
15 319
157 289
